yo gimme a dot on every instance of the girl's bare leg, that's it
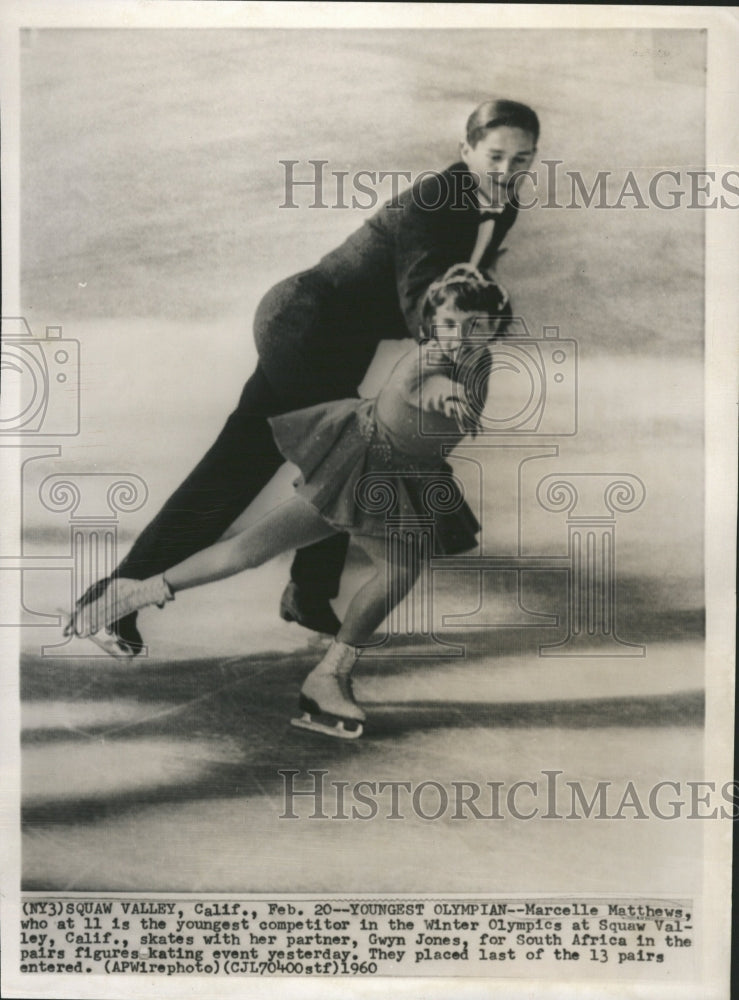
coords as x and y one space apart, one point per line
238 525
326 697
292 525
374 601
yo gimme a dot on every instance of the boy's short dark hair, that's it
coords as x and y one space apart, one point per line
467 289
497 113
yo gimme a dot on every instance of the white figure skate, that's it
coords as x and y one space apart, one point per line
121 596
326 698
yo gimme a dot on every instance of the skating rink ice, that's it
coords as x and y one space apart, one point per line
151 228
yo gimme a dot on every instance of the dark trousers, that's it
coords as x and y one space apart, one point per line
307 356
242 460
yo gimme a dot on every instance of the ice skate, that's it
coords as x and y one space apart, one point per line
103 607
122 640
108 640
326 698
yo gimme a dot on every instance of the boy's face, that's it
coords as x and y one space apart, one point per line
496 158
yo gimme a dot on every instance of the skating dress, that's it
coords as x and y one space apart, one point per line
365 462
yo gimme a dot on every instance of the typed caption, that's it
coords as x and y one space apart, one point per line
356 937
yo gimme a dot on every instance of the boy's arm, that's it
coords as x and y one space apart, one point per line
419 260
422 255
429 241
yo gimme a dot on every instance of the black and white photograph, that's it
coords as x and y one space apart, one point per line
369 439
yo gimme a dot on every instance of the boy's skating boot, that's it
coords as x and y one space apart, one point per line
308 611
326 698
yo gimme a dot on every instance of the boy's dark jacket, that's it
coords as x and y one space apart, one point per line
371 287
389 262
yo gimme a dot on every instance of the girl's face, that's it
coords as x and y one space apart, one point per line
496 158
449 327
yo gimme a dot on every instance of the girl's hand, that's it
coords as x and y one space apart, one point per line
455 406
442 395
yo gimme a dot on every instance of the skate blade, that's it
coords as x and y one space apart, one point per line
112 646
108 643
336 729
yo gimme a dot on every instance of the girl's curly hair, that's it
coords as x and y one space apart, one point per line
467 289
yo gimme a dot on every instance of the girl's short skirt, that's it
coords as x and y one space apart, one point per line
359 483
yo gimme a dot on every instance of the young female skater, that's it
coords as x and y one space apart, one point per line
334 445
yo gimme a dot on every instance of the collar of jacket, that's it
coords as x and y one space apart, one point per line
461 185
